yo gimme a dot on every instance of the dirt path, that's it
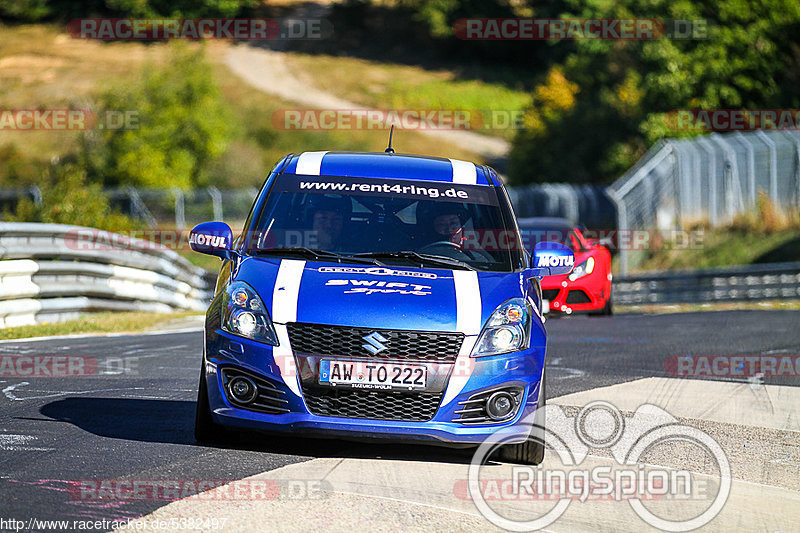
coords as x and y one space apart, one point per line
267 70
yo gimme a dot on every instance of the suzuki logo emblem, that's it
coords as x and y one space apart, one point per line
374 343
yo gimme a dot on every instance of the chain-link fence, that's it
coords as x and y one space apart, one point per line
588 205
711 178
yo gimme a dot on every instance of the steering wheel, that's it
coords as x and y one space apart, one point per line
440 243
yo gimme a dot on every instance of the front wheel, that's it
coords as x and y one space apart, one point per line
606 310
530 452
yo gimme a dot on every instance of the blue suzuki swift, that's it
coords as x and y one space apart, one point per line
377 295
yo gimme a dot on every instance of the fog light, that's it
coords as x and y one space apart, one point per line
500 405
242 389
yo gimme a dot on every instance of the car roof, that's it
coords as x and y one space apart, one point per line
545 222
386 165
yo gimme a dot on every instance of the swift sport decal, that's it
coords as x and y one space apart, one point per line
284 309
378 271
355 286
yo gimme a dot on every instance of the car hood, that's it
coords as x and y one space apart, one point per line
391 297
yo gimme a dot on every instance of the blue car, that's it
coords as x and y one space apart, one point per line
376 296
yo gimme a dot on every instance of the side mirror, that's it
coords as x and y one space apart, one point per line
212 238
552 259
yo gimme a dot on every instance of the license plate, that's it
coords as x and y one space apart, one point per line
545 306
369 375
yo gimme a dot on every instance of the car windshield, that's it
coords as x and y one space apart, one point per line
441 225
553 233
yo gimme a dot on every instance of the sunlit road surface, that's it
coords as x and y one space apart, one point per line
131 420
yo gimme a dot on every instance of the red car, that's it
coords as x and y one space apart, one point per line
588 286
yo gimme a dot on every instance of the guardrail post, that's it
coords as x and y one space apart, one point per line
139 208
216 201
751 167
622 222
773 165
180 218
795 139
36 193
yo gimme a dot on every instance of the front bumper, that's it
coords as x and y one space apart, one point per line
589 293
520 370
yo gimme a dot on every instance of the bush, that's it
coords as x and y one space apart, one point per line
68 198
182 125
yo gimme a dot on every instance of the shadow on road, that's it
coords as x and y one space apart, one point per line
172 422
163 421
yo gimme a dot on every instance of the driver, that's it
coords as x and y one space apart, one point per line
442 223
325 215
449 227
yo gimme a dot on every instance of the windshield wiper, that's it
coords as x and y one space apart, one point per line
316 254
422 258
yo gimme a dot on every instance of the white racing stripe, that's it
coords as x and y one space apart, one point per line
462 371
284 309
463 172
468 302
468 322
309 163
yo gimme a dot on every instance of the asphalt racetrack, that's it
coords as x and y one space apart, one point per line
133 418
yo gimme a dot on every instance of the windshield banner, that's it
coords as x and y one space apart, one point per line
383 187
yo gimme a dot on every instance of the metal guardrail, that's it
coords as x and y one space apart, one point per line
52 272
740 283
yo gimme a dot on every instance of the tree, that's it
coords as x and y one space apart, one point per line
181 125
623 91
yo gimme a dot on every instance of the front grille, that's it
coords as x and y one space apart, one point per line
269 400
379 405
550 294
577 296
473 409
320 339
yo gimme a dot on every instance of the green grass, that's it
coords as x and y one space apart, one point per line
380 85
96 323
727 247
764 234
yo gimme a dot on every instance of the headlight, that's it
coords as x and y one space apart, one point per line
244 314
507 330
581 270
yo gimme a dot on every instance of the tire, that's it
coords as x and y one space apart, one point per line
206 431
530 452
606 310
